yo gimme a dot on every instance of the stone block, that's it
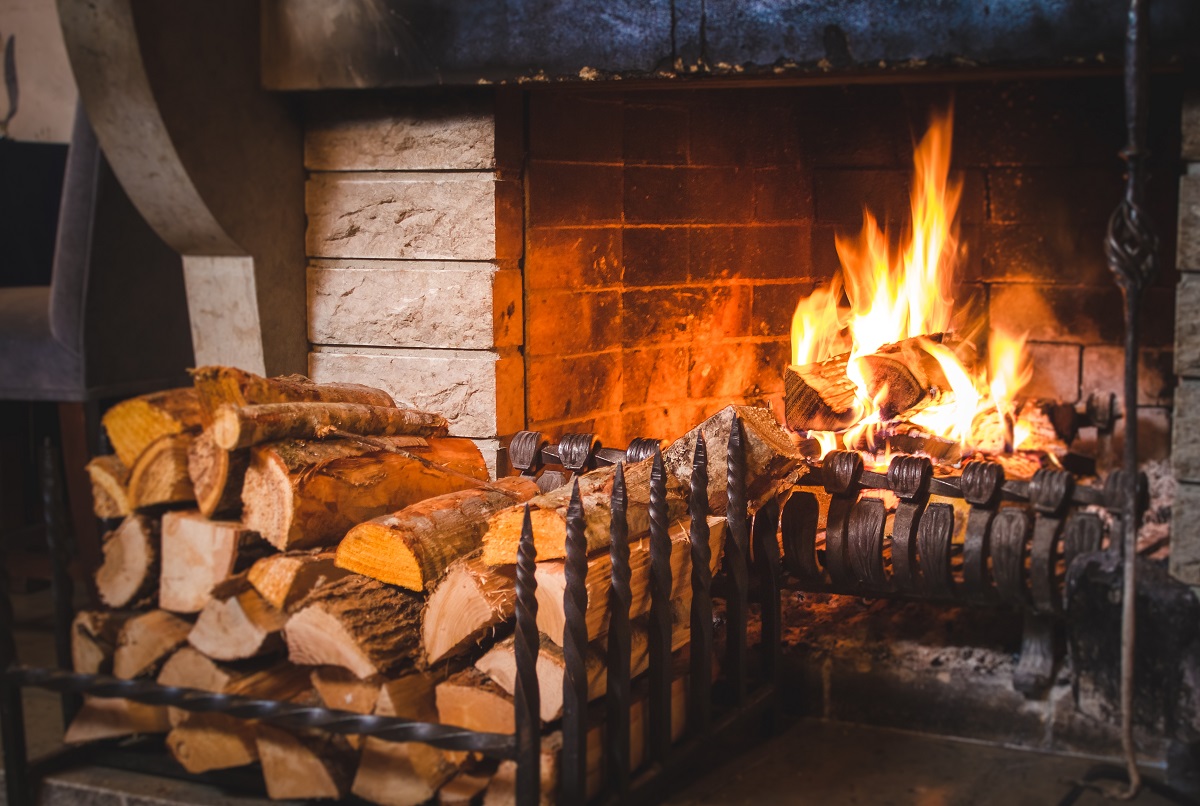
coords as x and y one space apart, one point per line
567 322
774 306
841 194
689 195
574 258
425 216
1191 126
350 133
783 193
1185 447
684 313
1187 249
656 255
574 126
454 305
1078 314
563 388
571 194
1060 195
740 369
1185 541
1036 253
1187 325
655 133
653 374
1055 372
750 253
481 392
1104 371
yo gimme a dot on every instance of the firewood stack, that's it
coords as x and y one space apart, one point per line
316 543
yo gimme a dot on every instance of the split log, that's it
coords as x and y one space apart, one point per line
464 789
217 475
413 548
94 635
205 742
472 700
128 576
241 626
190 668
284 579
773 461
198 553
135 423
358 624
145 641
110 487
160 475
500 662
341 690
236 427
403 774
469 603
309 766
502 789
551 581
217 386
548 514
300 495
112 717
820 396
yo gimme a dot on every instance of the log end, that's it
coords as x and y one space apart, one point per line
504 535
267 500
376 551
317 638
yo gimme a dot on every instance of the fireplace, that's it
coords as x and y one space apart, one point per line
609 246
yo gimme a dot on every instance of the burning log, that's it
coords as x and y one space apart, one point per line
468 604
236 427
899 378
217 386
198 553
358 624
217 475
307 494
413 548
135 423
160 474
110 490
551 581
129 574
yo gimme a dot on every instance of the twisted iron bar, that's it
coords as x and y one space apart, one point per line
1131 248
275 712
620 599
575 640
659 626
526 694
737 553
61 585
700 655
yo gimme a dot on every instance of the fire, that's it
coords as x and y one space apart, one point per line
886 293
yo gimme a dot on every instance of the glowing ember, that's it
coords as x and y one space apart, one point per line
886 294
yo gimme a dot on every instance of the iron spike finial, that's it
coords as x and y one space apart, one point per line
575 639
527 695
617 700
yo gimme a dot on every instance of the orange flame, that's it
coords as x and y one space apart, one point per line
907 292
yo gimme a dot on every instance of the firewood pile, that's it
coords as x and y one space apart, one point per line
316 543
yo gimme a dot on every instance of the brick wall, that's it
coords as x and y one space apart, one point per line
669 235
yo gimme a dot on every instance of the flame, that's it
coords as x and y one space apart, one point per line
904 291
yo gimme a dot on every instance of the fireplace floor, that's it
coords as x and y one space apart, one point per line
809 761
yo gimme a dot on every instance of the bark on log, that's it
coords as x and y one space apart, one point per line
551 581
413 548
198 553
135 423
245 426
160 475
469 603
145 641
773 461
112 717
500 663
358 624
820 396
302 495
217 476
548 514
217 386
110 487
305 767
285 579
94 635
238 627
128 576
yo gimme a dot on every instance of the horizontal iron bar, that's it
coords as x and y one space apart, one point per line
1082 495
275 712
